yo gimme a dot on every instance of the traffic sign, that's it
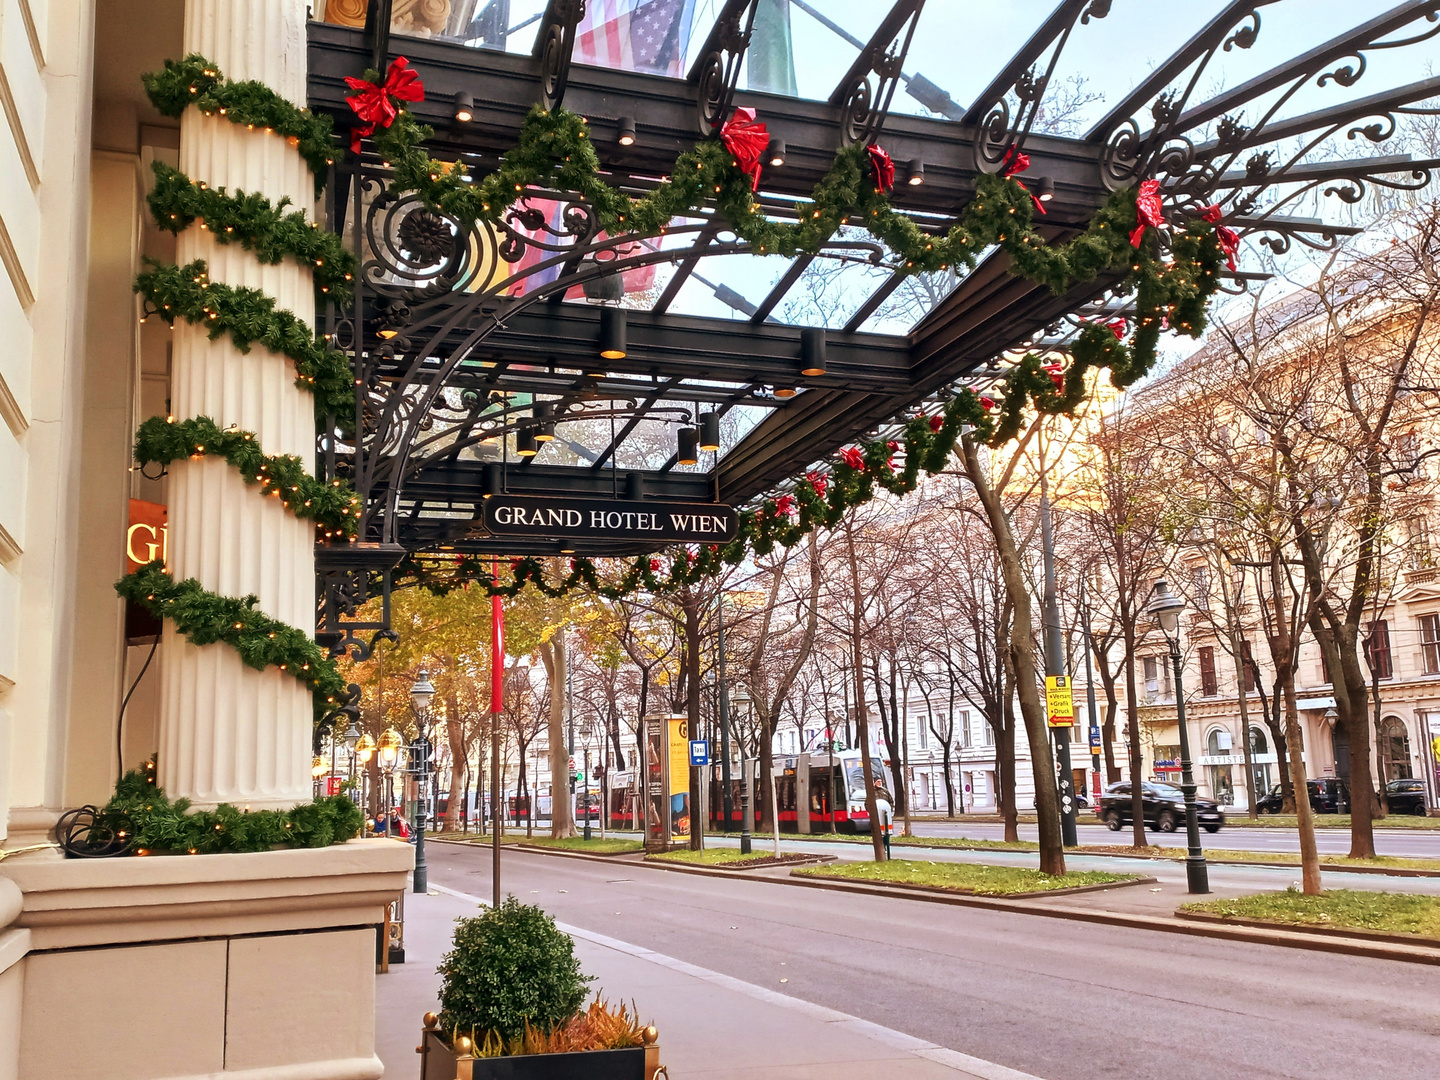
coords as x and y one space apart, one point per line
699 752
1059 705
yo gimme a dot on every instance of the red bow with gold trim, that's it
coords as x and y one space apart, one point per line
1228 238
747 140
882 169
1016 162
1147 210
376 104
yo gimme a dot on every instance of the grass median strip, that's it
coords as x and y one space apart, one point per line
973 878
730 858
1383 912
608 846
1286 858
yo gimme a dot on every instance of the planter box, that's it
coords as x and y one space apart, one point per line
439 1062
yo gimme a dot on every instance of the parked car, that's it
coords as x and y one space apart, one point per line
1324 797
1162 804
1406 796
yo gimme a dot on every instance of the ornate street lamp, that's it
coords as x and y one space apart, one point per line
1165 608
420 694
388 752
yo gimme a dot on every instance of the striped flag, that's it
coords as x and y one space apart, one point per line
635 35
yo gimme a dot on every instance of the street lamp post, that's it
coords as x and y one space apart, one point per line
352 739
1165 607
388 751
741 700
420 694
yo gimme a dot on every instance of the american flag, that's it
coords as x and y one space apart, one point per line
632 35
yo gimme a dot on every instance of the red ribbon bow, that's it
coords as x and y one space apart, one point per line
1147 210
1017 162
1228 238
817 482
747 140
1056 373
852 457
785 506
654 565
376 104
1117 327
882 168
987 402
936 423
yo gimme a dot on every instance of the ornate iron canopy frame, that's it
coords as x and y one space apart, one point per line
450 362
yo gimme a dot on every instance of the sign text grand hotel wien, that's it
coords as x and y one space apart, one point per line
610 519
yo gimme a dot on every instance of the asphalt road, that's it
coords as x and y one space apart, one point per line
1413 843
1057 999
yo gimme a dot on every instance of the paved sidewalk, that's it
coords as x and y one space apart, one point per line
711 1025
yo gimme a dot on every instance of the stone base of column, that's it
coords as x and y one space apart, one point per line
221 967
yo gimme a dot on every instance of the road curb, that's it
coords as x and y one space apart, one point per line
1228 930
1354 933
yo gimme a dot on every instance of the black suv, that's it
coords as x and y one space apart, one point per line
1163 806
1406 796
1324 797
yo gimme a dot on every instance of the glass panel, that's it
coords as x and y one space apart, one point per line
729 286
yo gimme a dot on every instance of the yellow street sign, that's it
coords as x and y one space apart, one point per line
1059 705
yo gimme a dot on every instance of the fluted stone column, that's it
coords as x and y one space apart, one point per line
229 733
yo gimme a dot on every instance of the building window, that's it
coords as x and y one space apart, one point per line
1395 749
1249 668
1200 586
1209 684
1152 676
965 728
922 732
1377 649
989 732
1418 544
1430 643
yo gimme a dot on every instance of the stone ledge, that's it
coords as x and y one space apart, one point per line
86 902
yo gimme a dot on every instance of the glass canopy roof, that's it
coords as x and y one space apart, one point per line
715 327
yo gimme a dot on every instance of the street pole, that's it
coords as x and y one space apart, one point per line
1090 687
1197 875
585 798
1055 666
726 801
422 872
497 701
1165 607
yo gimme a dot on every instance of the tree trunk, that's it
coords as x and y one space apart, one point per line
455 730
949 783
1132 723
1047 803
1005 774
862 714
562 817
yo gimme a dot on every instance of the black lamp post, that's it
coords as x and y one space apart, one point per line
420 694
740 698
1165 606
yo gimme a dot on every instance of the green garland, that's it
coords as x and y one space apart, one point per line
334 506
261 227
155 824
205 618
248 316
555 150
196 81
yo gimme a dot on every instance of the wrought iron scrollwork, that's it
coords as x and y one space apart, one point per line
869 87
347 707
1002 128
555 44
91 832
717 72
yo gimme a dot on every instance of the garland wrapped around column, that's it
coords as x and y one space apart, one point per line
271 232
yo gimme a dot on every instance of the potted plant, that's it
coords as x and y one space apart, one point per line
512 1007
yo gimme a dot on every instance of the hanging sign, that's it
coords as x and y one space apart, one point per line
1059 705
610 519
